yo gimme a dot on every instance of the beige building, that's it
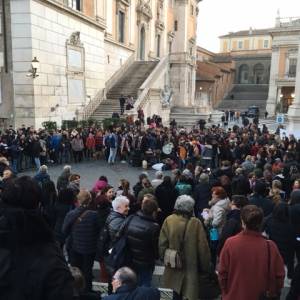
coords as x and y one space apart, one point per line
83 49
246 40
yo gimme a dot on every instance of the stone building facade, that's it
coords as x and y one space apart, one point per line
215 76
251 51
284 69
81 45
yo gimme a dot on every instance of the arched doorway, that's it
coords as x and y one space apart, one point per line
244 74
142 43
258 72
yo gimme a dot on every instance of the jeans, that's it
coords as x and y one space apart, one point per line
112 155
14 165
37 162
85 263
144 276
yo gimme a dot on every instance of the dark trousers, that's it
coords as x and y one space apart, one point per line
85 263
77 156
176 296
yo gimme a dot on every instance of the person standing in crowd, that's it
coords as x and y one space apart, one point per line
77 147
90 145
182 229
166 196
122 101
63 179
81 226
158 179
112 140
295 219
249 251
147 189
28 249
36 150
142 236
202 194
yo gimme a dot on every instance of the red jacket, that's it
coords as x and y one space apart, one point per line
243 267
90 142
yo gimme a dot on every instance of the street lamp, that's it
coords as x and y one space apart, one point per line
35 64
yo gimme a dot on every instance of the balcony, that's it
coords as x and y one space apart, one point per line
285 80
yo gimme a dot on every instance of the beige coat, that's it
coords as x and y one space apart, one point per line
196 254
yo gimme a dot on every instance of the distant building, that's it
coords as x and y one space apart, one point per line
214 77
251 52
284 70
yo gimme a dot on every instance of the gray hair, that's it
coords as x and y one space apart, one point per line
67 168
184 204
204 178
118 201
43 169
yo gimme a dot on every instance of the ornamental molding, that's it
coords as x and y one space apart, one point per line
160 26
74 39
143 9
171 36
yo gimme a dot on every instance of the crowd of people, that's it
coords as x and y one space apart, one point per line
222 213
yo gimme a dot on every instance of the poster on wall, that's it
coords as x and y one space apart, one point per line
76 91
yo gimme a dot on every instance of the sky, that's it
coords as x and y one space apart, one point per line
218 17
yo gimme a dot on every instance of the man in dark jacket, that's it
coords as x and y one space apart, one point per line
142 236
240 183
166 196
202 194
32 264
260 200
125 287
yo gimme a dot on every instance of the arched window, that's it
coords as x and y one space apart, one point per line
244 74
258 72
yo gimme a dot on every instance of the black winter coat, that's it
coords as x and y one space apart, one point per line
134 293
142 237
166 196
202 195
83 234
295 218
283 235
240 185
232 227
32 264
114 221
265 204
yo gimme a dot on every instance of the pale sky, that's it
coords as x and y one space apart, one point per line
218 17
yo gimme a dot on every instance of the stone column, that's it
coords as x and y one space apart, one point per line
294 109
271 102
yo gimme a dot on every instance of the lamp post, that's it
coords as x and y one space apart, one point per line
35 64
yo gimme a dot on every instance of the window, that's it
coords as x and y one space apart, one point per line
292 67
266 44
75 4
121 37
158 46
175 25
170 47
240 45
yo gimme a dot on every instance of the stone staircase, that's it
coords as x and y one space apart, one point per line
128 84
245 95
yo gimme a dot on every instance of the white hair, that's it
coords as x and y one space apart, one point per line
67 168
43 169
184 204
118 201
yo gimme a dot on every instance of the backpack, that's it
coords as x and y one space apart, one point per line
112 141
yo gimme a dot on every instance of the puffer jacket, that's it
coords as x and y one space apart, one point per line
218 213
114 221
84 233
142 235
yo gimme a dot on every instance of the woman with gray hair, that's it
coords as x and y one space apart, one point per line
183 233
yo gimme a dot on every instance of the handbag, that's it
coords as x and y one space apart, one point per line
267 295
174 259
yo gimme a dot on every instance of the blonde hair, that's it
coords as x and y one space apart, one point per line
84 197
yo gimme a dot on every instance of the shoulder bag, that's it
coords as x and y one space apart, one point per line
174 259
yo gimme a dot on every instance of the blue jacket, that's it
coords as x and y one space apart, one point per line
83 234
134 293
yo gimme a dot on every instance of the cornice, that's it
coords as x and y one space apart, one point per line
63 8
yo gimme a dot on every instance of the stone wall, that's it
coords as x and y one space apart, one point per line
41 30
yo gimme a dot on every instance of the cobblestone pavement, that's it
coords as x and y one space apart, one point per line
90 171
